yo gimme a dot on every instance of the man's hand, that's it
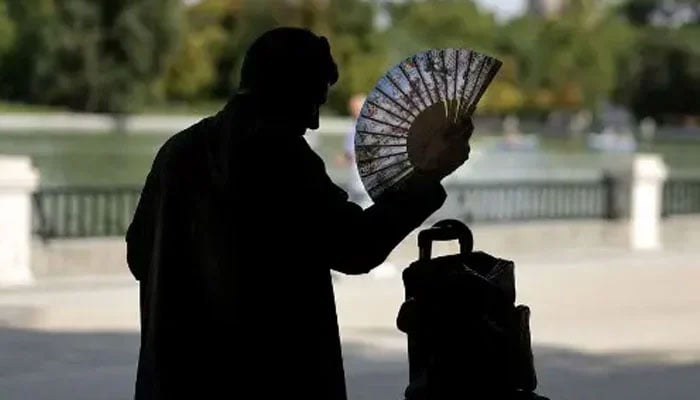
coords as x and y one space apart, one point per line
438 153
455 142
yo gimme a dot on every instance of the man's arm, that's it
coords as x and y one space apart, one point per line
139 236
359 240
373 234
141 232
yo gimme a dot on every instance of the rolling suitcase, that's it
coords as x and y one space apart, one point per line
466 337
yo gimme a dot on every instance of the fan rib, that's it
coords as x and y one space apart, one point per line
470 58
437 87
366 160
444 67
472 96
393 181
402 92
389 112
443 77
422 80
381 145
454 89
384 168
415 89
487 80
363 132
446 81
396 102
385 123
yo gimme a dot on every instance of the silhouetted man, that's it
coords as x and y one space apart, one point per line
236 233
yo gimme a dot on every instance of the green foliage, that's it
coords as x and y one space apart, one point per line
566 62
217 35
33 22
219 32
7 30
418 25
90 55
662 78
192 70
124 55
358 48
663 81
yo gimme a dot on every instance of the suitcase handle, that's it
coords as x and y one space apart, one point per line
445 230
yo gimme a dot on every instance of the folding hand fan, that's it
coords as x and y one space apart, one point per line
407 118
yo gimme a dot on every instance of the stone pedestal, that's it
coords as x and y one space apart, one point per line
18 179
648 175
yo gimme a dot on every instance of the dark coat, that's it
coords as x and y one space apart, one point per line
233 241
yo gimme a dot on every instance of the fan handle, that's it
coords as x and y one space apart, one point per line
445 230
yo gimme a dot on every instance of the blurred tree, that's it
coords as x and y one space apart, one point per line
7 30
596 41
418 25
569 61
219 32
242 22
505 95
662 80
193 71
7 40
99 55
28 52
565 62
358 48
666 13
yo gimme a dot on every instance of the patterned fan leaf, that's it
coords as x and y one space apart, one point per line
418 88
489 68
381 97
367 166
437 58
365 124
378 152
398 79
422 96
464 59
378 180
389 97
425 70
377 113
451 69
391 182
371 139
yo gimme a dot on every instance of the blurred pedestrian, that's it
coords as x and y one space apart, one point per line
355 187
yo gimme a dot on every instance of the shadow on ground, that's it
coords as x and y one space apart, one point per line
41 365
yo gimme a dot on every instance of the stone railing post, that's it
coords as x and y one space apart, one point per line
18 179
648 175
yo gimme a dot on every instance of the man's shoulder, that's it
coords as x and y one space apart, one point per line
185 139
183 145
178 152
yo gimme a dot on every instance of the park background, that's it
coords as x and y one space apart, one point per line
89 90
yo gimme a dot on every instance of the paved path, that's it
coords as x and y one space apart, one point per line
608 326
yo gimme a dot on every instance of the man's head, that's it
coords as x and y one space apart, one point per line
289 70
